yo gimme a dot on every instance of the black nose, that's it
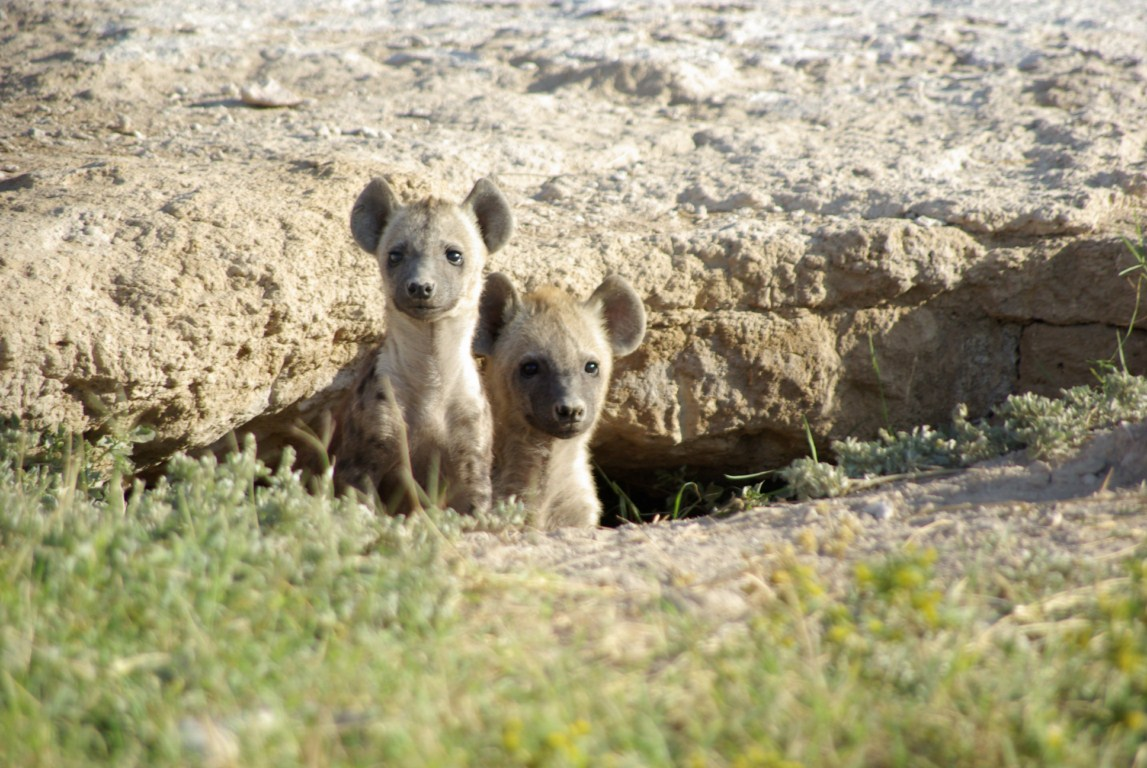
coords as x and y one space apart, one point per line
572 412
420 290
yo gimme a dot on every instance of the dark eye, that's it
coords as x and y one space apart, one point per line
393 257
591 368
529 368
454 256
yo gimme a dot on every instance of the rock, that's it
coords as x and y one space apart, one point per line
850 225
18 181
699 197
1055 357
554 190
201 313
678 82
268 94
880 509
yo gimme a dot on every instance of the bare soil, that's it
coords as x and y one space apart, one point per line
1008 518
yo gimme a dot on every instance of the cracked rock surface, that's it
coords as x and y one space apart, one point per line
795 189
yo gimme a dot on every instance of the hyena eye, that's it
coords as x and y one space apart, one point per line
454 256
591 368
395 256
529 368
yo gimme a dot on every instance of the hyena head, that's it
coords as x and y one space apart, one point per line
549 356
432 252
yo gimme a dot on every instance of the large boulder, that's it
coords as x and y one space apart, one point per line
836 227
144 293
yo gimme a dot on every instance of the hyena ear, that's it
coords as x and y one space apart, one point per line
621 309
372 210
492 212
496 308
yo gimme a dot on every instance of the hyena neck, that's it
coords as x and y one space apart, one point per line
526 460
437 354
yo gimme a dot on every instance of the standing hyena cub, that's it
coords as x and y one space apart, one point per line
549 359
417 413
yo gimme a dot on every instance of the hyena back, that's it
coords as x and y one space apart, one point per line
416 417
549 359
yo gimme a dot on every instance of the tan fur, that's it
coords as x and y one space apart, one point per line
541 448
416 417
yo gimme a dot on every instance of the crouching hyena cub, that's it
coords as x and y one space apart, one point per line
417 412
549 359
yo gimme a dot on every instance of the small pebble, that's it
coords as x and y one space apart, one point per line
365 131
554 189
881 509
268 94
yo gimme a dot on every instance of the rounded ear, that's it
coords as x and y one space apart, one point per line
372 210
624 314
497 307
490 208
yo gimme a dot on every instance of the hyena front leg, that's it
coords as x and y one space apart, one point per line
470 456
374 454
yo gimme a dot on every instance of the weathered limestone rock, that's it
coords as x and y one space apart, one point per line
135 294
1055 357
851 217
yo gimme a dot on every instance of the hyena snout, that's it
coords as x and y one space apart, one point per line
421 290
424 289
563 411
570 412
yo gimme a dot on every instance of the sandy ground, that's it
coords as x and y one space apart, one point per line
1003 518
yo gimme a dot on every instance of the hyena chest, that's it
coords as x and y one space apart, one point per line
428 437
442 429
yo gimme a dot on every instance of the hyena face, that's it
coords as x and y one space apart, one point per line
431 253
550 356
557 366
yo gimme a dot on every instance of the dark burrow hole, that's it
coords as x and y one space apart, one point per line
676 494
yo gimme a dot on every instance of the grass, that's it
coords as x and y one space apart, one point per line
1138 250
229 615
1045 427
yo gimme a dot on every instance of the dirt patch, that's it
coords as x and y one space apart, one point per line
1011 514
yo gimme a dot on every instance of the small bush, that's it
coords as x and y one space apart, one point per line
1045 427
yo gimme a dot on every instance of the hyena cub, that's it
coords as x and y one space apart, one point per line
417 412
549 358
